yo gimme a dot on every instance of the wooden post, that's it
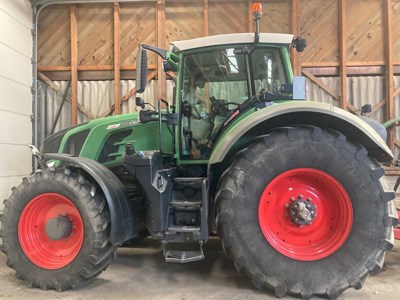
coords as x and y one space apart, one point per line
117 73
295 31
161 41
74 64
343 53
206 22
389 71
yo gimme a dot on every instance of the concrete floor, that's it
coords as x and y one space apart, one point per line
141 273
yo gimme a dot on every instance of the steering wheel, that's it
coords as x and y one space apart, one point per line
221 107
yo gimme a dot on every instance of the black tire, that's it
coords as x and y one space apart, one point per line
240 190
95 252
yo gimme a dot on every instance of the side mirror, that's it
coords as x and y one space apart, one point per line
141 70
365 109
139 102
299 43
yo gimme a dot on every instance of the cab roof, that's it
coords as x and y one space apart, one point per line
235 38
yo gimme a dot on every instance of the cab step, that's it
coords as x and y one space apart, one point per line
182 256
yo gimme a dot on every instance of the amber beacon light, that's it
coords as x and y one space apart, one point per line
257 13
257 10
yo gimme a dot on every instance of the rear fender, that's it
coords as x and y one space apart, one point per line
297 113
122 221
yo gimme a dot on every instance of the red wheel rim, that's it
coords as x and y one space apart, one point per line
37 246
330 226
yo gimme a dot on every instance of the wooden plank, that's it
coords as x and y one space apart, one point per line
319 64
206 21
397 91
365 28
389 70
323 86
95 34
117 74
228 17
53 68
295 30
91 68
57 89
276 16
74 64
351 108
183 22
250 17
377 106
161 43
343 53
348 63
321 30
137 26
54 36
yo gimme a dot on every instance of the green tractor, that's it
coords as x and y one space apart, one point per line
294 189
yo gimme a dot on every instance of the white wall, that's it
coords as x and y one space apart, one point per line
15 93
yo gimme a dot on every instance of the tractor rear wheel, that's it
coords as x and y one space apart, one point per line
55 230
304 211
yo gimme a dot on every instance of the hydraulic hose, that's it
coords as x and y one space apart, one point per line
391 122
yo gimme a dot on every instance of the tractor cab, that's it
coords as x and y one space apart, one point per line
219 78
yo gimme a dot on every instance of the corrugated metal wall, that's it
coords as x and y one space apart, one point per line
361 90
397 113
97 97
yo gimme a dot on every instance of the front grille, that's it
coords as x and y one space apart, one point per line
111 145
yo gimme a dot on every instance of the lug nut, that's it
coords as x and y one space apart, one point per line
300 196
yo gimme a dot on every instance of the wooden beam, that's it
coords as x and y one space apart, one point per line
117 71
58 90
389 70
126 97
351 108
206 21
74 63
397 91
323 86
343 53
92 68
337 64
295 30
161 43
377 106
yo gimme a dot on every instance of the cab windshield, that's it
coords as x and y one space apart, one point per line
215 84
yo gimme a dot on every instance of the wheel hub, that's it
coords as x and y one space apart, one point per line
59 228
305 214
302 212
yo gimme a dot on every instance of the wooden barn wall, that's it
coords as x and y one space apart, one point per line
319 24
185 19
345 38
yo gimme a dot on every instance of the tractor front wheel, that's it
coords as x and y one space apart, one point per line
304 211
55 230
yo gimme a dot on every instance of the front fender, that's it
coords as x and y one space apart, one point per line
121 213
301 112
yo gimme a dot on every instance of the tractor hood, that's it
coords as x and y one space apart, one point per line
104 139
